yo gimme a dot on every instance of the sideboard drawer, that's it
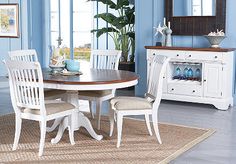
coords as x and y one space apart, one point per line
189 55
184 89
173 54
208 56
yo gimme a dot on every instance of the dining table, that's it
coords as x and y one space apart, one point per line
89 79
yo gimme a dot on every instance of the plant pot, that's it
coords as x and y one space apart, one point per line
127 66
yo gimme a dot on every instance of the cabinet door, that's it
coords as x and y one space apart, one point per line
213 80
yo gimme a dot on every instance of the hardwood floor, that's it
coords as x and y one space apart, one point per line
219 148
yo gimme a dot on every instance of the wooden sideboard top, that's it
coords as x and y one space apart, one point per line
192 49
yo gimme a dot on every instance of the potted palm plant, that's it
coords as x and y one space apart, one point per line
120 28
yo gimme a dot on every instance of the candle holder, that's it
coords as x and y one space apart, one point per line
168 37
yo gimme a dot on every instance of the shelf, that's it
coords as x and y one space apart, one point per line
188 82
185 63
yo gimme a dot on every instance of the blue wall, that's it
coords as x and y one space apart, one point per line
8 44
30 29
149 13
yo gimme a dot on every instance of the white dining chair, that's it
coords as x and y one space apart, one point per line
27 96
30 55
124 105
101 59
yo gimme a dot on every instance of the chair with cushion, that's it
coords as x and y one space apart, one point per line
27 96
124 105
101 59
30 55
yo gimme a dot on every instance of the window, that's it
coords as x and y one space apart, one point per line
197 8
71 23
82 25
203 8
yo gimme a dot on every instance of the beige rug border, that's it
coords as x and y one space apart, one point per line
187 146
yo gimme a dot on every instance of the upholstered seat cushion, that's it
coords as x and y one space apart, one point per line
95 93
130 103
53 93
52 107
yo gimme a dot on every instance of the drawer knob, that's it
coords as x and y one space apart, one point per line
190 56
194 91
204 80
216 57
172 89
177 55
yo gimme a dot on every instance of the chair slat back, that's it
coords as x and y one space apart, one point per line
24 55
156 73
105 59
26 84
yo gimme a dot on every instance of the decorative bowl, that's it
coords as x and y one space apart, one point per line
72 65
56 69
214 40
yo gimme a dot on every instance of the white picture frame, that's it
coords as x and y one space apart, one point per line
9 20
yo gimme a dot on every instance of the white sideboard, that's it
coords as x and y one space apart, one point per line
199 75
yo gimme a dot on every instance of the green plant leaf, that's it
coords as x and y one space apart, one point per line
108 17
104 30
120 22
120 27
117 22
129 13
121 4
131 34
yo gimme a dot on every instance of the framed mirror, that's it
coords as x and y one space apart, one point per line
195 17
183 8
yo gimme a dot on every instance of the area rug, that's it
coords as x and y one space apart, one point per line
136 147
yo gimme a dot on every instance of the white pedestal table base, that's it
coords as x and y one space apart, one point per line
79 120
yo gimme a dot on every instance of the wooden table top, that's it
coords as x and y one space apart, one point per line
90 77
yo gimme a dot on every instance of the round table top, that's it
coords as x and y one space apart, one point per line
91 77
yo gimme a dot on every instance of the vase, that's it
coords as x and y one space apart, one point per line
178 72
190 73
185 72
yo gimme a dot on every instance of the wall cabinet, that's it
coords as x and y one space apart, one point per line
199 75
